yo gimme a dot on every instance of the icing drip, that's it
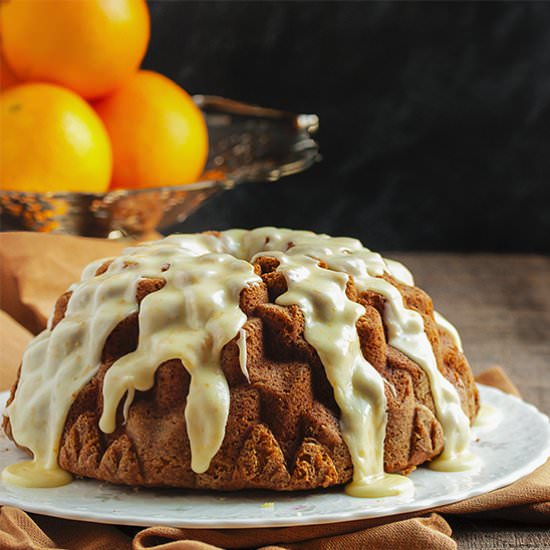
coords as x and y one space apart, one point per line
241 343
195 314
405 326
401 274
487 418
191 318
57 364
444 324
330 319
406 333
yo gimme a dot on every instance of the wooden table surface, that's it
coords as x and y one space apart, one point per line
501 307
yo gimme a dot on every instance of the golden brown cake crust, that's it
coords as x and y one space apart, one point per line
282 432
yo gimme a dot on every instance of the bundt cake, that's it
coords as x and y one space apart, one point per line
270 358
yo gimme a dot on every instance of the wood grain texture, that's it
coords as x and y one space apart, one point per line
472 534
501 307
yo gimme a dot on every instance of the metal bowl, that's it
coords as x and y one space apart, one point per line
247 143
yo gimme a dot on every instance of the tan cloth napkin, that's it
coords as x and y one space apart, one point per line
34 270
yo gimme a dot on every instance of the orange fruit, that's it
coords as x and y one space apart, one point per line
89 46
52 140
158 134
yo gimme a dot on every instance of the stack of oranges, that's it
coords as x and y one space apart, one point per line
77 114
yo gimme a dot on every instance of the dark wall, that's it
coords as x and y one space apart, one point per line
435 117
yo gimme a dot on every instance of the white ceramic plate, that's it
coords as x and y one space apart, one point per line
517 445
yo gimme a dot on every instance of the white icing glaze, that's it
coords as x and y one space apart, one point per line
330 319
197 312
406 333
488 418
446 325
191 318
241 343
399 272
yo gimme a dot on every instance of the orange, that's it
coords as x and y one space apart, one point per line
158 134
89 46
52 140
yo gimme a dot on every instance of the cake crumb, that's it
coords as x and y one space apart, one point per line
267 505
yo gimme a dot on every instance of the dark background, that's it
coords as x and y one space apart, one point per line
435 117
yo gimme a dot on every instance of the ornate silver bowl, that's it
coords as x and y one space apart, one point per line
247 143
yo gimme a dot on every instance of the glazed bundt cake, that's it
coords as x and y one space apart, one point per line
270 358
